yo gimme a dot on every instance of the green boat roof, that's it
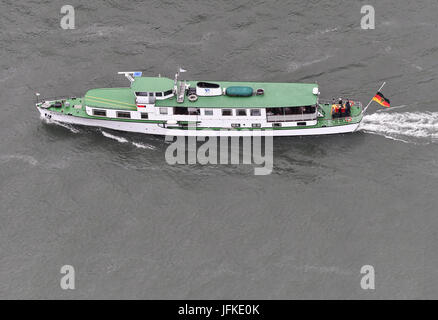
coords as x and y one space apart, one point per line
152 84
275 95
111 98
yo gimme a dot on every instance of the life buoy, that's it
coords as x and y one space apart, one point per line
348 119
193 97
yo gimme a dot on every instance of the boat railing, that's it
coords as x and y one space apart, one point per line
292 117
55 98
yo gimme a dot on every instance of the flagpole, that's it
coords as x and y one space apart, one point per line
365 109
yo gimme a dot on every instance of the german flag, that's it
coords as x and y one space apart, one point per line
380 99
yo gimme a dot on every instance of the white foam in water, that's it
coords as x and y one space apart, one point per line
418 125
64 125
123 140
119 139
11 157
143 146
67 126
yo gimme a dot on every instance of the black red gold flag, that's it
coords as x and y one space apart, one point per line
380 99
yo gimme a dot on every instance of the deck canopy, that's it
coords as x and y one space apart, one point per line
111 98
275 95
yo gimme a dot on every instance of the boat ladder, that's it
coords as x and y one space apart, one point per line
180 93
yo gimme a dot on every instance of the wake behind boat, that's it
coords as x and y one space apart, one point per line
162 106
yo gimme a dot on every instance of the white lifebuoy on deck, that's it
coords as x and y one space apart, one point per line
193 97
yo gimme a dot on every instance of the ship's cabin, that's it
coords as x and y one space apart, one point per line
148 90
142 98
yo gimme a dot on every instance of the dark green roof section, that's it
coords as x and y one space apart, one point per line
111 98
151 84
276 95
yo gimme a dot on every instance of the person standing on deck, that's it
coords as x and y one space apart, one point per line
334 108
338 108
348 108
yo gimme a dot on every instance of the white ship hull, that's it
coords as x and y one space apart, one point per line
158 129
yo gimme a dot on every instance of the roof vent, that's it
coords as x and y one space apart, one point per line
315 91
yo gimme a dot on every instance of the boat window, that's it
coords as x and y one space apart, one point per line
208 112
227 112
151 94
180 111
274 111
241 112
144 115
122 114
235 125
168 92
294 110
97 112
276 124
207 85
309 109
290 110
194 111
163 110
255 112
158 94
141 94
256 125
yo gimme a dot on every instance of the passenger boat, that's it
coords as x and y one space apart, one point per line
164 106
